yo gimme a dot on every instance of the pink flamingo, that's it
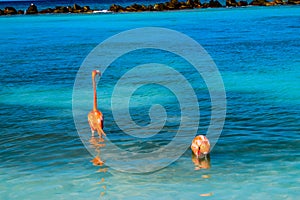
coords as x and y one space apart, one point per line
95 117
200 146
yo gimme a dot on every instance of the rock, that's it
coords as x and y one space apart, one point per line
197 4
172 5
32 9
159 7
144 8
270 4
242 3
76 7
231 3
259 3
10 11
48 10
70 9
60 9
116 8
76 11
214 4
190 3
294 2
86 9
21 12
279 2
150 8
205 5
183 6
136 8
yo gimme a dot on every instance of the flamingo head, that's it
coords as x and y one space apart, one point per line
95 72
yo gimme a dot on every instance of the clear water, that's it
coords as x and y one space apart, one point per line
256 157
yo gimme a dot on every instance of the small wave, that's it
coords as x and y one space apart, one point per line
102 11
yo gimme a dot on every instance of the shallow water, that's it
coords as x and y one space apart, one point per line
256 157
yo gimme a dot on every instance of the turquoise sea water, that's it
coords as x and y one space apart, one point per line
257 155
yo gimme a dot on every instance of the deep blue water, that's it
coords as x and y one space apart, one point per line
257 155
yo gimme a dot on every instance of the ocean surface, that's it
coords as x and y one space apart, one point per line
257 156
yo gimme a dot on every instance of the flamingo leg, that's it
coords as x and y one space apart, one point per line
100 132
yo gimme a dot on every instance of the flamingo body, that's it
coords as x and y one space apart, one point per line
95 119
200 146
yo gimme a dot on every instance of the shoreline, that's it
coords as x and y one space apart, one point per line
158 7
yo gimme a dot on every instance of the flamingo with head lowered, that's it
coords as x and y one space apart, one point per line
200 146
95 117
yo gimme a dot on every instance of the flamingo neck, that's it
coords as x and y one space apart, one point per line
95 93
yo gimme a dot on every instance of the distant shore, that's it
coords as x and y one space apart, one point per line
170 5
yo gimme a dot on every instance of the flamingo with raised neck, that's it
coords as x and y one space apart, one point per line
95 117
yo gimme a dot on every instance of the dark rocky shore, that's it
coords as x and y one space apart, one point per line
170 5
190 4
32 9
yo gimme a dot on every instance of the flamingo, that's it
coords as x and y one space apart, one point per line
95 117
200 146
